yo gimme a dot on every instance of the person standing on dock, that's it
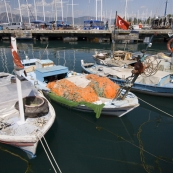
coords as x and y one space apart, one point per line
91 24
106 27
53 26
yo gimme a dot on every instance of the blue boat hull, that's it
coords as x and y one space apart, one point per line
142 88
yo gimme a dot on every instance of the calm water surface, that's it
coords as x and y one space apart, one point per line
139 142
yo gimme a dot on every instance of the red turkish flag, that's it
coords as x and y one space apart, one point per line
121 23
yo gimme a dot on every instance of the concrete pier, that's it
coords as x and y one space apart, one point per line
85 35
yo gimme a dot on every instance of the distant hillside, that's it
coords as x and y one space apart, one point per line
16 18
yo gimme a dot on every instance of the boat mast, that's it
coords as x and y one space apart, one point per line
101 9
166 7
10 12
28 11
6 11
35 9
96 9
72 12
125 15
43 10
62 10
20 11
19 87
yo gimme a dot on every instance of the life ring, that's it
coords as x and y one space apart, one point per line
169 47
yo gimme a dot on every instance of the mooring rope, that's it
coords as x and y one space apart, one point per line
42 136
156 107
52 155
123 139
16 155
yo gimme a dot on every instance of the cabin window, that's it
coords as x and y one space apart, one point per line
55 77
29 64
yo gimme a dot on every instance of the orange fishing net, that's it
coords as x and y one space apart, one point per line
103 86
98 87
70 91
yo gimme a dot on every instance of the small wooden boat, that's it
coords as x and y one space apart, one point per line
25 114
161 83
6 78
118 59
24 135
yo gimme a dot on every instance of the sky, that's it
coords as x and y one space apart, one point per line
135 8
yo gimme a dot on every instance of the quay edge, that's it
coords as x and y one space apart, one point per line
85 35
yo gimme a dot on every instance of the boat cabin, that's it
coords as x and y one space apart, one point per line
46 71
29 62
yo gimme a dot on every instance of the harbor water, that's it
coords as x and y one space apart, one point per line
139 142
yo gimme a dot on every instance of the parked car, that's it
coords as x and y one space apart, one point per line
15 25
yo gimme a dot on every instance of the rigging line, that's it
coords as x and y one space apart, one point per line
44 51
156 108
30 9
126 140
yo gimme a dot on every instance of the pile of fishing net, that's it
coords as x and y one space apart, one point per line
98 87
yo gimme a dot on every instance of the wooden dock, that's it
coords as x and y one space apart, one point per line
85 35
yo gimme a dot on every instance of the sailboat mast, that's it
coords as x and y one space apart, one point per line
20 11
35 9
6 10
101 9
166 7
72 13
62 10
28 11
96 9
10 12
43 10
125 15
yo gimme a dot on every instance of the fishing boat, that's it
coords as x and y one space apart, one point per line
118 59
154 82
25 114
46 71
47 76
6 78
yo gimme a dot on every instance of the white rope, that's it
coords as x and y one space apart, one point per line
156 107
47 154
42 136
52 155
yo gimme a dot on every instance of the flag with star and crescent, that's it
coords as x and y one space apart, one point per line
121 23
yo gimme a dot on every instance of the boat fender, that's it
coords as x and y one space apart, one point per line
169 45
